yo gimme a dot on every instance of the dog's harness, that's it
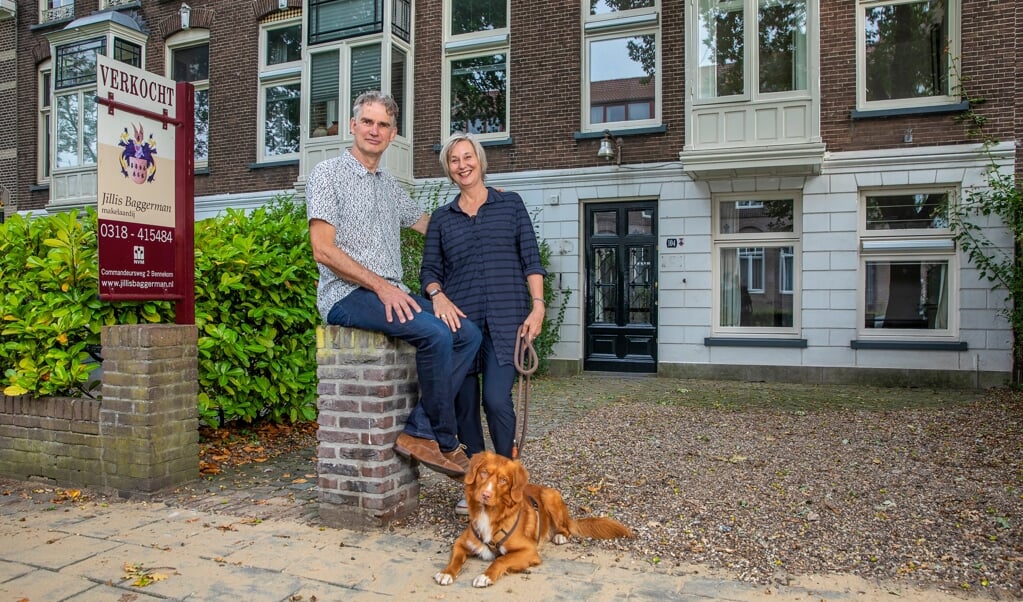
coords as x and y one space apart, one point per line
495 548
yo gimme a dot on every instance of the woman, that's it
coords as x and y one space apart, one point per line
482 262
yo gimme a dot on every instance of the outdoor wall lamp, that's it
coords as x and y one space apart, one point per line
186 15
609 152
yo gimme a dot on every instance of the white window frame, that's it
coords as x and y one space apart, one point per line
907 245
44 145
763 241
954 11
751 57
180 41
471 45
289 73
643 21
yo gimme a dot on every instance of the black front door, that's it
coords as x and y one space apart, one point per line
621 287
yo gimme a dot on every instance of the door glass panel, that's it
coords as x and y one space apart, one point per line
641 222
605 285
640 283
605 222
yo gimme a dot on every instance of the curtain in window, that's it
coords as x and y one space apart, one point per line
731 288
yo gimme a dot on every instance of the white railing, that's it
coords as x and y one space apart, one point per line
58 13
116 3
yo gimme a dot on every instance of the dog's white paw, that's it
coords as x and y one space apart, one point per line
482 581
444 578
559 539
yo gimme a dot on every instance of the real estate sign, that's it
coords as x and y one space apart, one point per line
136 183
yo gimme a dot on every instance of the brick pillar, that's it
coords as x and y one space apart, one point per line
149 418
367 387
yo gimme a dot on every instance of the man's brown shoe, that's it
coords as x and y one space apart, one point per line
457 456
428 452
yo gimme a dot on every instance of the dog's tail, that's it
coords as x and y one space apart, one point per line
599 528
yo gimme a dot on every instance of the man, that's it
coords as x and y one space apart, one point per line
355 213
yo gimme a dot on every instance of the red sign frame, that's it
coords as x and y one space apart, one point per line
143 258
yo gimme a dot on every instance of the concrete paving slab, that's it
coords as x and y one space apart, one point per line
42 584
60 550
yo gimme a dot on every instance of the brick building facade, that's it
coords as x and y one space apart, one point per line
767 215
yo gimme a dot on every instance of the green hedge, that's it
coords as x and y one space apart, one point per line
255 309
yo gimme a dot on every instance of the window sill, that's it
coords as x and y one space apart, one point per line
272 164
935 109
907 345
39 187
484 143
641 131
754 342
201 171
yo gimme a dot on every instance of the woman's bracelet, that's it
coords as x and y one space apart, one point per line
540 299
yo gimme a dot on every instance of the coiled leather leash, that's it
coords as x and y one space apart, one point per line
526 363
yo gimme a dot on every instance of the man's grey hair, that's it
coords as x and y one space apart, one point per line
445 153
378 97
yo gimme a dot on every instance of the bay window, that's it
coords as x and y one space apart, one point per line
750 47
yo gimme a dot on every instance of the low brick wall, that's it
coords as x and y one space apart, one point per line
142 436
367 388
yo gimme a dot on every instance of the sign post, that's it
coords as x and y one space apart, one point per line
145 200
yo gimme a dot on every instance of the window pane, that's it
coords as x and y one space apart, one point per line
907 212
76 63
284 45
398 59
905 50
738 217
782 30
605 222
622 72
468 16
401 22
202 125
721 27
478 91
338 19
191 64
604 7
605 285
906 294
640 110
364 71
282 119
67 130
746 300
641 222
325 68
89 129
640 285
128 53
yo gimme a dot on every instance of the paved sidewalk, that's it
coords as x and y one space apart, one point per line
56 549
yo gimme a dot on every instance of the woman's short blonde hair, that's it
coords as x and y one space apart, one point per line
445 153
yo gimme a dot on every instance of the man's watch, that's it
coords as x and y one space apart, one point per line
434 292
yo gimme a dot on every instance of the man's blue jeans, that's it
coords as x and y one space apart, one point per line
442 358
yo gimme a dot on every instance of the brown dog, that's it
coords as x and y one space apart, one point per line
509 518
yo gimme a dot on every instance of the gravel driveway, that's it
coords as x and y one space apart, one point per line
772 480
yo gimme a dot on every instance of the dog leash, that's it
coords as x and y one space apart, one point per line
526 363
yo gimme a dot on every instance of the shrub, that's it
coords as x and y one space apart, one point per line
255 309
